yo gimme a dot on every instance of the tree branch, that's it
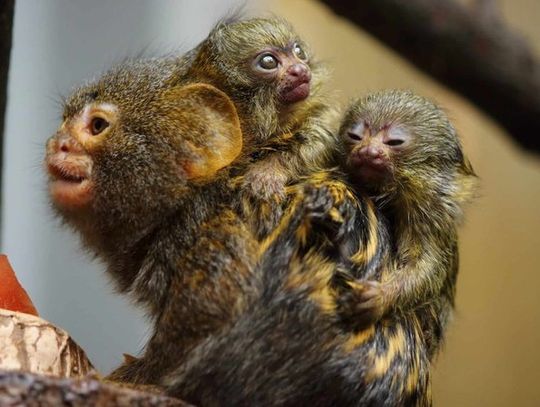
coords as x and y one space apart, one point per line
28 389
469 50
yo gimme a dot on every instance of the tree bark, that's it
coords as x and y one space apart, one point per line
468 49
41 365
26 389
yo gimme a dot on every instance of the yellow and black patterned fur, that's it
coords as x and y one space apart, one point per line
301 343
291 347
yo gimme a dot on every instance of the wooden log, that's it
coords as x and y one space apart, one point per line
31 344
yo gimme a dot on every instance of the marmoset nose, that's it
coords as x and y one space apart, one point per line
299 71
371 151
67 144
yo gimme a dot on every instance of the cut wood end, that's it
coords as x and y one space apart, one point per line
31 344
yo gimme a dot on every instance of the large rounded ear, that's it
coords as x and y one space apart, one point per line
206 126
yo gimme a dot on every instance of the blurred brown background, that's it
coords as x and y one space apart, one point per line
492 355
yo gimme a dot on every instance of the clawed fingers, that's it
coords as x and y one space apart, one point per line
361 303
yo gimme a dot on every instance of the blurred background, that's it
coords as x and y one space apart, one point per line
492 355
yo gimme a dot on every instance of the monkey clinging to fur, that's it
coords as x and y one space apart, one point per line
270 74
401 150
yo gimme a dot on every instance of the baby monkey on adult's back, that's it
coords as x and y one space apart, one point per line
141 168
401 150
268 72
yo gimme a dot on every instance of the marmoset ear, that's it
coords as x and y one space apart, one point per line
205 126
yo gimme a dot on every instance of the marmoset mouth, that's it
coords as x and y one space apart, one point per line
297 94
69 183
61 173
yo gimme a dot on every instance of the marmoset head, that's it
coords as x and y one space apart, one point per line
397 141
130 145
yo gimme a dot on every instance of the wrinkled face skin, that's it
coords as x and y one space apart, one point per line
372 151
396 142
288 67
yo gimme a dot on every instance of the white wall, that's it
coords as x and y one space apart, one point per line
56 45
